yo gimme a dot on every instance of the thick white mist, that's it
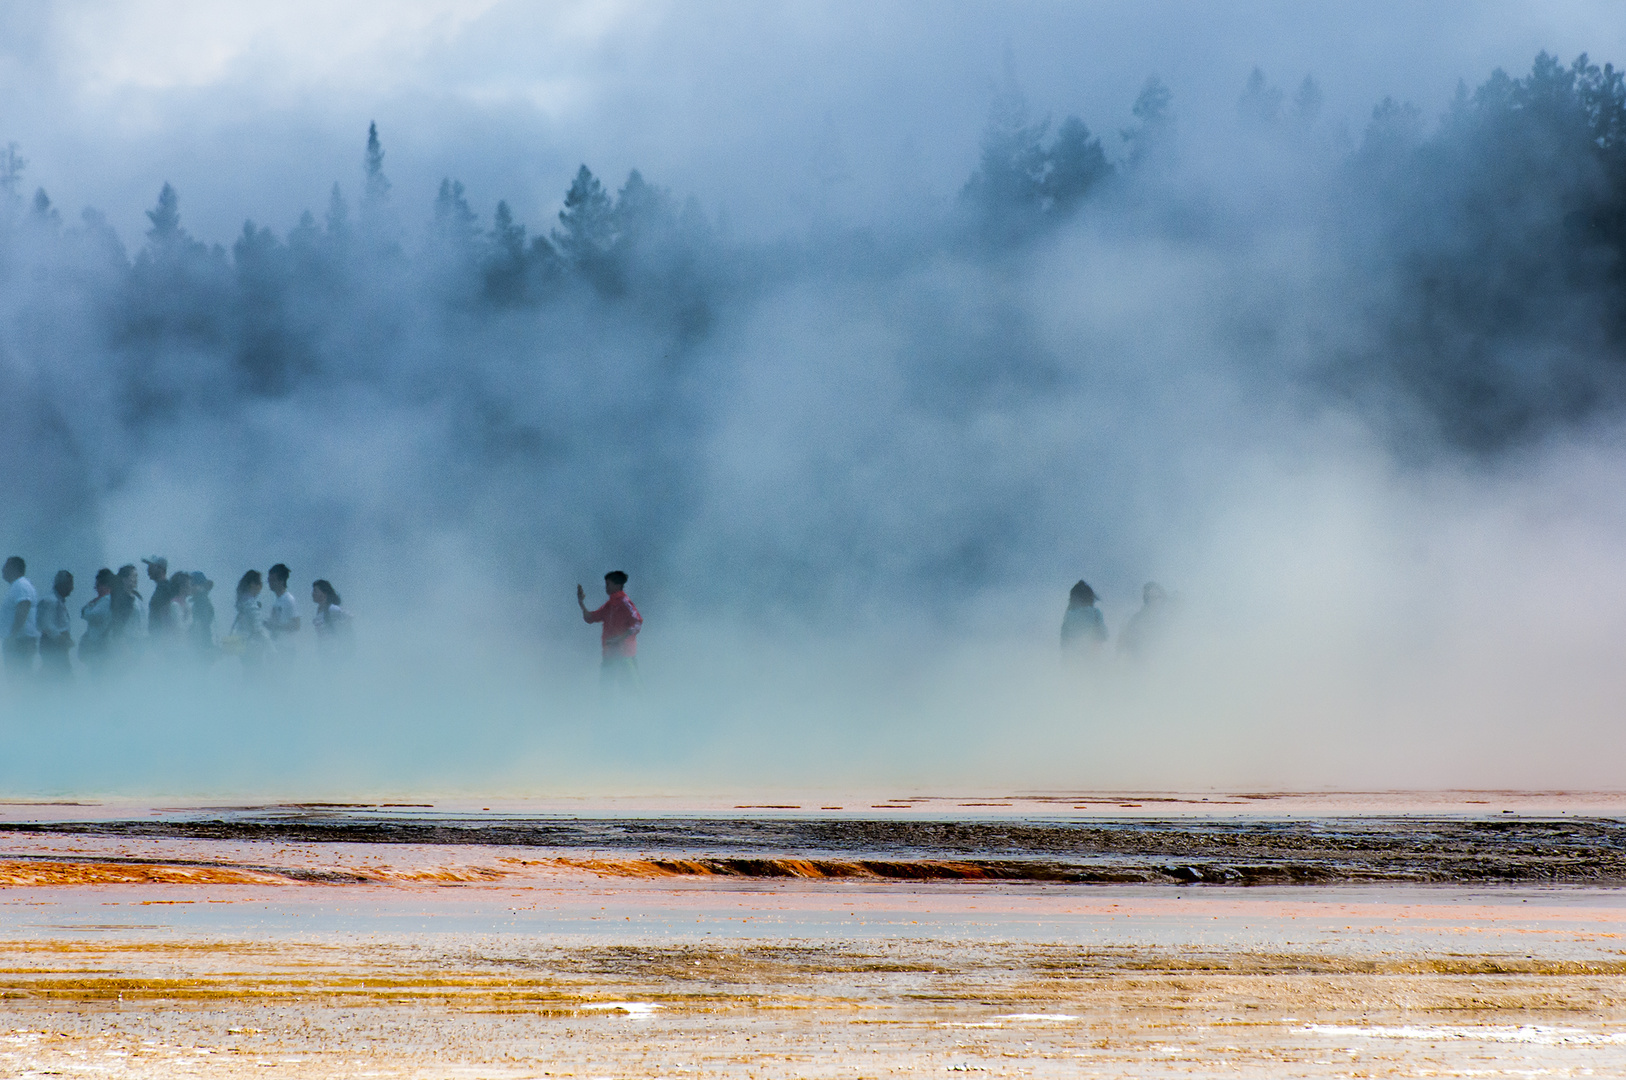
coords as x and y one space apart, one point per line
852 493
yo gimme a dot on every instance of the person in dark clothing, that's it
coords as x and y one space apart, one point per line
163 591
56 637
1083 630
202 630
128 625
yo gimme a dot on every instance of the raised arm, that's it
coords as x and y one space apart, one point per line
581 602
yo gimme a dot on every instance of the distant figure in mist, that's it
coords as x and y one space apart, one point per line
19 620
98 616
248 635
283 622
56 630
128 622
335 639
177 622
163 592
201 630
1146 626
1083 630
619 638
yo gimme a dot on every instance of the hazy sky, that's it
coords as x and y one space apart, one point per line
778 114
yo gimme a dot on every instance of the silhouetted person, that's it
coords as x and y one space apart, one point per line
18 619
171 632
619 638
283 621
201 632
56 629
1083 630
1146 626
128 624
248 629
159 611
98 616
334 636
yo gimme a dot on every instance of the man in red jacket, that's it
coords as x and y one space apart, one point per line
620 636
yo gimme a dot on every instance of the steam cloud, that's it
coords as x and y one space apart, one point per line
1355 398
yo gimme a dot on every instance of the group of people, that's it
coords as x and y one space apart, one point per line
177 617
1084 629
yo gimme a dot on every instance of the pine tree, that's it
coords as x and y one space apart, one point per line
507 238
378 185
338 213
42 210
1010 174
588 220
505 265
454 218
12 165
1260 103
1152 109
1307 102
1076 164
166 218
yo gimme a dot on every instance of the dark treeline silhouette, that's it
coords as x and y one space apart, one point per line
1475 266
1502 234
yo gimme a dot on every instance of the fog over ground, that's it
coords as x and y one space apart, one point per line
902 324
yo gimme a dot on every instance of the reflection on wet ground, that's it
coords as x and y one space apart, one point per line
166 952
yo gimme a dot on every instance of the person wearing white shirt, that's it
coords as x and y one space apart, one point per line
283 621
248 636
19 619
98 616
334 640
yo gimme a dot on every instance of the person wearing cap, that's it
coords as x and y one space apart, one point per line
159 612
201 631
19 623
1083 630
56 630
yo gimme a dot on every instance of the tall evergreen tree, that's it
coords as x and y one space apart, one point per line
378 185
1076 163
1307 102
1156 122
338 214
505 269
1007 189
12 165
1261 103
166 218
454 218
588 225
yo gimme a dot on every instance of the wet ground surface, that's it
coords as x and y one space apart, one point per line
1143 849
327 941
